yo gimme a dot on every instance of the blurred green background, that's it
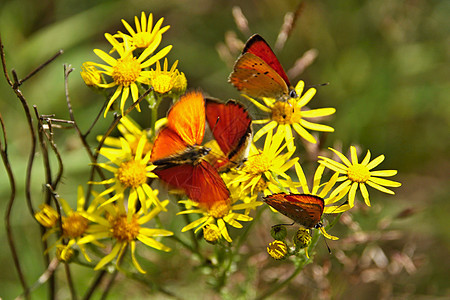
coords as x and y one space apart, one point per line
387 62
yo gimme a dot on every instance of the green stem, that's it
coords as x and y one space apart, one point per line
154 104
244 235
187 246
283 283
222 280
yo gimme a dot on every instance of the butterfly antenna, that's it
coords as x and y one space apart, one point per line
317 85
284 224
342 204
215 124
328 247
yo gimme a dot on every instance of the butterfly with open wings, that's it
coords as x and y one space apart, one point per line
258 73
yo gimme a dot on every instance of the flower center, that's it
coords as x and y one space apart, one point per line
124 231
142 39
132 174
285 112
162 83
126 71
74 225
257 164
219 209
358 173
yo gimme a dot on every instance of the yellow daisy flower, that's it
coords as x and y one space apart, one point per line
145 34
216 218
132 133
357 174
131 174
258 171
285 114
125 228
164 80
126 71
74 224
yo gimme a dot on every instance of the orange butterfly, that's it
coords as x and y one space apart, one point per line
179 156
258 73
231 126
303 209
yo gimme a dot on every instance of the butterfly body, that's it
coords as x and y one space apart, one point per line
303 209
191 155
258 73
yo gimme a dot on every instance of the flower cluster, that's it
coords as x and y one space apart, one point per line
132 170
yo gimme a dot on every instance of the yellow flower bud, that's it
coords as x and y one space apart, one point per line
278 250
90 74
211 233
47 216
302 238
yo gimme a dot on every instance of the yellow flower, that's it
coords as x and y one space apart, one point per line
285 114
257 172
74 225
355 174
277 249
132 133
125 228
90 74
130 174
164 80
145 35
219 214
127 71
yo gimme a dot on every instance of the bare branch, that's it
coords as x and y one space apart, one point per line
40 67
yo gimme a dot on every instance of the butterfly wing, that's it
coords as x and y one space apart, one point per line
201 183
187 118
167 143
259 47
231 126
301 208
254 77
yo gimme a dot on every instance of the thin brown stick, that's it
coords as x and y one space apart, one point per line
45 157
48 273
289 24
9 234
110 284
5 70
50 139
73 292
40 67
83 137
94 285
